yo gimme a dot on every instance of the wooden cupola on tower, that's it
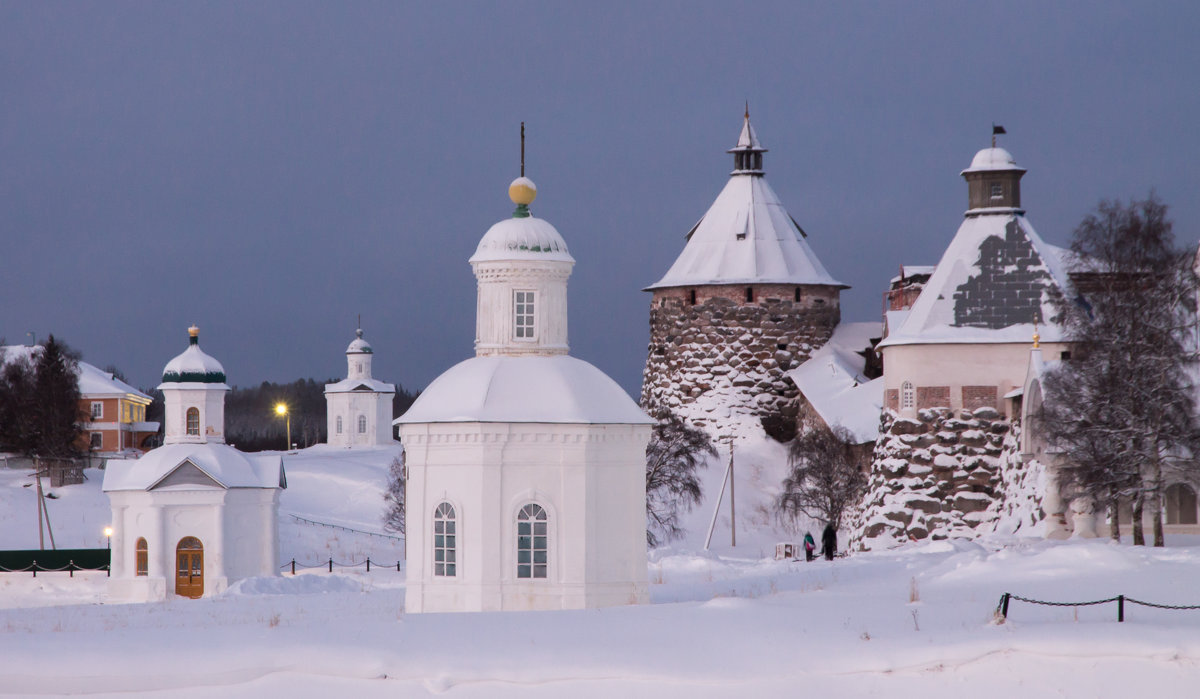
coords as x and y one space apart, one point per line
993 180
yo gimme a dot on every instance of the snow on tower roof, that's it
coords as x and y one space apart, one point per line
559 389
991 159
746 237
193 365
996 279
225 466
526 238
358 345
359 385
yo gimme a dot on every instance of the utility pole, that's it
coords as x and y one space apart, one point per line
728 480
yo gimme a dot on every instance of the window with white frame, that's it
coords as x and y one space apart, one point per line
523 315
908 395
339 424
97 441
532 542
362 424
97 409
193 421
997 191
445 540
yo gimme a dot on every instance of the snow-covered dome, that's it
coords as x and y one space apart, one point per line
193 365
359 345
527 238
559 389
992 159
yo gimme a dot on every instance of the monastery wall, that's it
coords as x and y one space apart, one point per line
721 359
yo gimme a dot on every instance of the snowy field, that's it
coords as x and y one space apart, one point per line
912 622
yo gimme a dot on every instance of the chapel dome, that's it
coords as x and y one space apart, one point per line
990 159
560 389
527 238
359 345
193 365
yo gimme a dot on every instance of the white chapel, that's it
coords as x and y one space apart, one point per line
526 466
358 409
194 515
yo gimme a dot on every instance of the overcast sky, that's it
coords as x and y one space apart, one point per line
270 170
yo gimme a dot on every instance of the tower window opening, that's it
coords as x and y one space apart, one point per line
907 395
997 191
523 315
193 421
692 296
362 424
749 294
339 424
797 294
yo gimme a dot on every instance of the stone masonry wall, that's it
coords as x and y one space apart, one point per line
722 360
938 476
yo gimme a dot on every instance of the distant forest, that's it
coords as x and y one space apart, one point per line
252 425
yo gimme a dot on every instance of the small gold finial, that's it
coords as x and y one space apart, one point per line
522 191
193 331
747 109
1036 337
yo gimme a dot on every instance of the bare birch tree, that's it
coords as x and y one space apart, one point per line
674 456
826 474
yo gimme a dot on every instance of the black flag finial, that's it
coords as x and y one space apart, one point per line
996 130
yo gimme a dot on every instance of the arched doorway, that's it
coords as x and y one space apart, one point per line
189 567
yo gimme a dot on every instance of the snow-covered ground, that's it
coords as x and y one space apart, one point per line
730 623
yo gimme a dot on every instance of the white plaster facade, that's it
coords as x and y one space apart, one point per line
358 409
194 515
524 431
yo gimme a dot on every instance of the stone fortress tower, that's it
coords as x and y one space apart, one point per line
746 301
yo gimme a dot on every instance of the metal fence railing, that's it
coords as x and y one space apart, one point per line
1006 598
330 564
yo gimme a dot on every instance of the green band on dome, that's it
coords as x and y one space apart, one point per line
194 377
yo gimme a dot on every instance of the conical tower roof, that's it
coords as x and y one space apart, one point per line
746 236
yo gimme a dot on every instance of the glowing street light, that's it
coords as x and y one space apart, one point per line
281 410
108 532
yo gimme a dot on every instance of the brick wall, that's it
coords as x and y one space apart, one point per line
979 397
891 399
933 397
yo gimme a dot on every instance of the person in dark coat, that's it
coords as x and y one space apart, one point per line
809 546
829 542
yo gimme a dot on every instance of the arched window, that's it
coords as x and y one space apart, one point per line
143 557
1181 504
193 421
532 542
339 424
908 395
362 424
445 538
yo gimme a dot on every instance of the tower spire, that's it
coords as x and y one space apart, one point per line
747 154
522 149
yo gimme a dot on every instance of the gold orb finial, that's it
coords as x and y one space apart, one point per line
522 191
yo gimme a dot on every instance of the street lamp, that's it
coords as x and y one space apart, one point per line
282 410
108 536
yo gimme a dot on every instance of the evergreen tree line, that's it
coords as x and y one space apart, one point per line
39 402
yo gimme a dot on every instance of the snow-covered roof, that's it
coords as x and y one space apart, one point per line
193 365
747 139
907 271
833 383
991 159
93 382
746 237
227 466
524 238
358 345
996 280
352 385
559 389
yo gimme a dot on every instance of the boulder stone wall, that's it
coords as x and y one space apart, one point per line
716 358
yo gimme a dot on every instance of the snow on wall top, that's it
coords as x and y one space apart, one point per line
833 383
352 385
526 238
221 462
93 382
992 159
996 280
746 237
559 389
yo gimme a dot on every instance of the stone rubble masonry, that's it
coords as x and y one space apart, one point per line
937 476
722 360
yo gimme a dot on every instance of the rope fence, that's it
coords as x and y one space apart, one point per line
1002 607
331 564
70 568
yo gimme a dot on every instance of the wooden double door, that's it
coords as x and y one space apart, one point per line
189 567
